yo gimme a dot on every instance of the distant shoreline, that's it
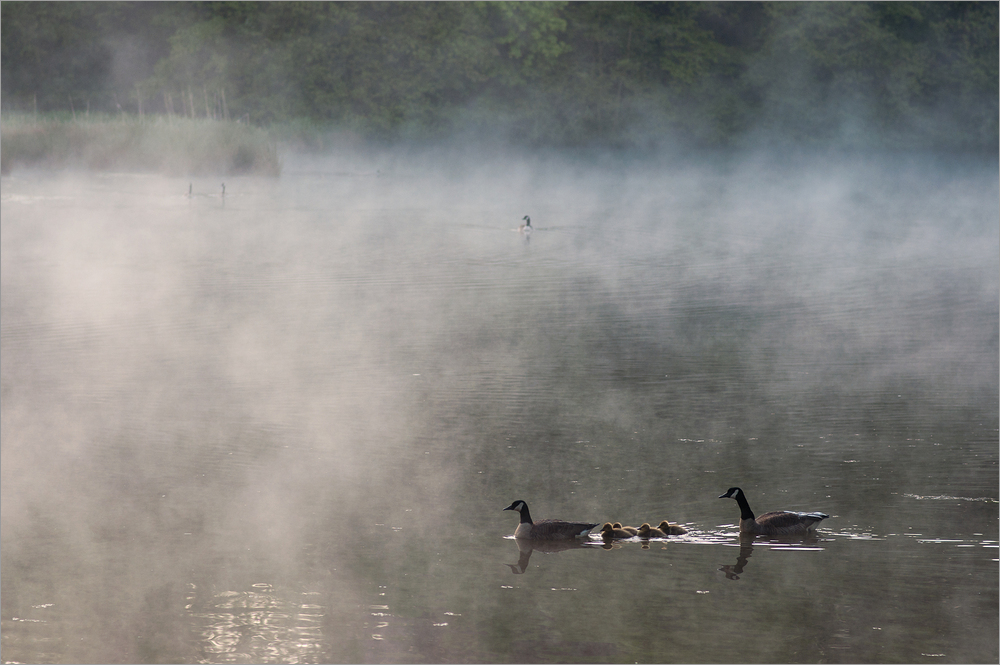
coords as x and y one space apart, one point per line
170 145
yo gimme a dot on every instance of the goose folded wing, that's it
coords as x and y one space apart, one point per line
555 528
783 518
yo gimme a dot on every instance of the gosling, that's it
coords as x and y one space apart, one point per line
646 532
672 529
630 529
609 532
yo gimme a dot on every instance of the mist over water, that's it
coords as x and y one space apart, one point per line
281 424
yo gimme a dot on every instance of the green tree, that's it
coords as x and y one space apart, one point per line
49 53
622 73
855 71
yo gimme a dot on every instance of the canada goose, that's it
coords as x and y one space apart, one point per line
630 529
646 531
546 529
526 227
671 529
223 190
611 532
776 523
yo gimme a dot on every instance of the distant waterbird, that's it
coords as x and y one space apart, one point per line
525 229
775 523
546 529
223 190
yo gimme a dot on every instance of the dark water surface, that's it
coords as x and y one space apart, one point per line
280 426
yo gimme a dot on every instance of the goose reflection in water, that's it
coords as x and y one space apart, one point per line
746 550
527 547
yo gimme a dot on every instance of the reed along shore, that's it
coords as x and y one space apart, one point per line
170 145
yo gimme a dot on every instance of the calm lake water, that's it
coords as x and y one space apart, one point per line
281 426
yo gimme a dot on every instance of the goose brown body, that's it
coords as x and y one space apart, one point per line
546 529
774 523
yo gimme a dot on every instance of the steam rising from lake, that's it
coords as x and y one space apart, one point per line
367 345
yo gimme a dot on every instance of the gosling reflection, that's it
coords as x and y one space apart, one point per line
527 547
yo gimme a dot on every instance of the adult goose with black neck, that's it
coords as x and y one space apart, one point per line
775 523
546 529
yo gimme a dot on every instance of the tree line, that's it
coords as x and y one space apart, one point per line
892 74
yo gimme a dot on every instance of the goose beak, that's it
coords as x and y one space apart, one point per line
723 496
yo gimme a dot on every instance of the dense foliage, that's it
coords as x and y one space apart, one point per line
894 74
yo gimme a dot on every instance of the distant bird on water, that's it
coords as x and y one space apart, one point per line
190 189
526 227
546 529
775 523
223 190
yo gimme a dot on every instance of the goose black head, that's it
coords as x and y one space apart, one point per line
527 220
731 493
517 505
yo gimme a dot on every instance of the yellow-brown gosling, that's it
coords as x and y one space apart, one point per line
646 531
546 529
609 532
630 529
776 523
671 529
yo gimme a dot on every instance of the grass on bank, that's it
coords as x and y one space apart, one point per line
170 145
